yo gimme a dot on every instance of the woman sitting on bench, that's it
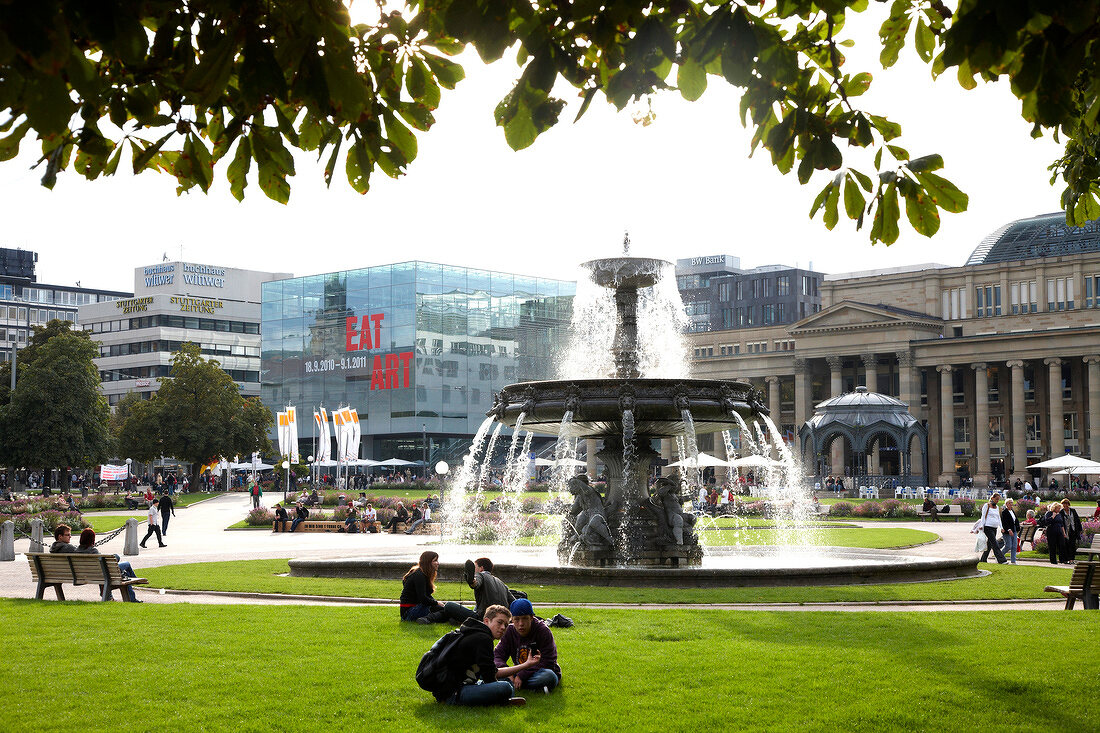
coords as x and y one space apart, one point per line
399 515
87 547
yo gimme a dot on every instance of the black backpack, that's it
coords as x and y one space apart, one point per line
434 672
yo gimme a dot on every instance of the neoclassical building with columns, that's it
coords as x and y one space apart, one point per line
999 357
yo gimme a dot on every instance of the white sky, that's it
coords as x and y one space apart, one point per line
683 187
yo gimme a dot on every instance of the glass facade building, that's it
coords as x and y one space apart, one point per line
417 348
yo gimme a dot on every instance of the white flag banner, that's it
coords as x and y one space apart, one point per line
112 473
355 435
345 417
320 419
281 432
338 426
292 433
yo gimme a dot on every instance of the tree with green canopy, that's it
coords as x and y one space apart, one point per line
197 415
188 86
56 417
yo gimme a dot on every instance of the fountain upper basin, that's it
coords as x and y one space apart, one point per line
597 405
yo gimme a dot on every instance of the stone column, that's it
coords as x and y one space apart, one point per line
981 471
1019 435
836 383
801 393
666 453
1057 434
870 371
1093 365
836 388
947 426
906 391
590 456
773 397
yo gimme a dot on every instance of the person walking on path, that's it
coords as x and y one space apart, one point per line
154 525
167 510
1074 530
255 491
989 523
1055 525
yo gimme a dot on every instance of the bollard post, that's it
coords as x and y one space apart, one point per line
36 536
130 547
7 541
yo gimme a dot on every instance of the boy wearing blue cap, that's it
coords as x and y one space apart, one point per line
523 639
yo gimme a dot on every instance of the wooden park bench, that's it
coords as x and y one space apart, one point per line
1027 534
951 511
57 569
1083 584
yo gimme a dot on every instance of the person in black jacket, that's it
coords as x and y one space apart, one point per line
1055 525
281 518
401 514
1073 532
417 587
1010 528
300 515
167 508
475 679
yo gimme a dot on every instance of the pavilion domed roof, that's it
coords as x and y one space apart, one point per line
861 408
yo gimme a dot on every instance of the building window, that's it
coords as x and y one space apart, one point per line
1092 291
1033 427
962 430
987 300
724 291
1067 382
783 285
769 314
1069 426
954 304
994 382
1024 297
781 312
1060 294
739 290
1029 384
957 393
757 288
727 318
923 388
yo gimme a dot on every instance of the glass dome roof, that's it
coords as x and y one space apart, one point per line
1046 235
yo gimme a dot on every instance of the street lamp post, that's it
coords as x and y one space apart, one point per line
424 446
128 462
311 471
286 465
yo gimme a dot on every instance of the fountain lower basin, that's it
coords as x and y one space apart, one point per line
726 568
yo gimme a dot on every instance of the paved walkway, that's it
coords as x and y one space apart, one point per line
197 534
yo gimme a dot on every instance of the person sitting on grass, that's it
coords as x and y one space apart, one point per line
473 678
526 639
417 587
87 547
488 591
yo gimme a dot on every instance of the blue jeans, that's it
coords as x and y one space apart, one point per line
487 693
294 524
458 613
416 612
127 571
543 678
414 525
1011 541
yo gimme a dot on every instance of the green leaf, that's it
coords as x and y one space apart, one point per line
831 204
237 173
858 84
898 152
891 214
926 163
943 192
892 33
820 200
330 167
49 106
924 41
864 180
400 137
691 78
9 146
358 167
446 71
142 159
966 76
589 94
922 214
853 199
414 80
274 162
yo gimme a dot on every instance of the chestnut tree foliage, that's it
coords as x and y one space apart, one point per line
197 88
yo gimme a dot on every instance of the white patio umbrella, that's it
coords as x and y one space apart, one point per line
562 462
361 462
1075 464
754 462
704 459
393 462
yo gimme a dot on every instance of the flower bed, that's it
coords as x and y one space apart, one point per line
50 519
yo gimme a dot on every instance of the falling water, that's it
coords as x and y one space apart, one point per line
754 449
512 515
455 508
510 460
594 319
731 451
761 440
662 322
789 496
629 449
565 452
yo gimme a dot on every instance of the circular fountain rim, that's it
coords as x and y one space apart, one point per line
902 569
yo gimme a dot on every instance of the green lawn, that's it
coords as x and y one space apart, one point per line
867 537
295 668
102 525
263 576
